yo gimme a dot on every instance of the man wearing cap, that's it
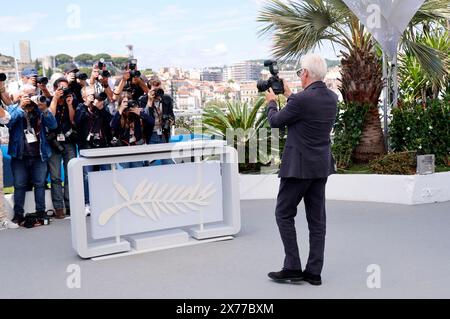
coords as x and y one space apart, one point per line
70 73
29 76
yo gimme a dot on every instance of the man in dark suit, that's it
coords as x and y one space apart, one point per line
307 163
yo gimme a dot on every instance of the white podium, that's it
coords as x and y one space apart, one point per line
195 200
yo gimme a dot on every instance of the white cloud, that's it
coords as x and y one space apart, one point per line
21 24
219 49
173 12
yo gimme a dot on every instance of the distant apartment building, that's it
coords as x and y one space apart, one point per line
212 75
25 51
48 62
249 92
243 72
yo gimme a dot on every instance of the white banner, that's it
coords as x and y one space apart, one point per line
386 20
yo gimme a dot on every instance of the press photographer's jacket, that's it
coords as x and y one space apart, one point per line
16 132
310 116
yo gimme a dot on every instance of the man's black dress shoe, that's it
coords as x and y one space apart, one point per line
314 280
286 276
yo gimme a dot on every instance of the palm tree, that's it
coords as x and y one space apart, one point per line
301 26
240 122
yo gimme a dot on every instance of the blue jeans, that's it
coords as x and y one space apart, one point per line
24 171
159 139
86 171
60 197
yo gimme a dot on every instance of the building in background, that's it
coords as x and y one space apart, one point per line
243 71
25 52
212 75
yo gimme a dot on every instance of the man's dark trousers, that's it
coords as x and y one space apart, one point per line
292 191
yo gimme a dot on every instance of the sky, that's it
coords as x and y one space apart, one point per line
183 33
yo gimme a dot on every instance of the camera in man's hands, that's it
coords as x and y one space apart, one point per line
274 82
52 139
2 77
101 64
132 65
36 99
42 80
102 96
105 74
82 76
159 93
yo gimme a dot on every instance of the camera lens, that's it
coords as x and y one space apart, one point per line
82 76
262 86
102 96
42 80
2 77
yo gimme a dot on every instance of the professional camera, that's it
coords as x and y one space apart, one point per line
2 77
102 96
274 82
132 65
105 74
38 99
52 139
159 93
115 142
132 104
166 123
42 80
71 136
66 92
82 76
94 140
101 64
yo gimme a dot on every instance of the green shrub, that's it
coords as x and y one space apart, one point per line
347 132
404 163
424 130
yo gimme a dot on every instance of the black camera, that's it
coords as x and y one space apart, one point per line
132 65
159 93
102 96
115 142
82 76
94 140
42 80
52 139
132 104
166 123
101 64
71 136
2 77
274 82
66 92
105 74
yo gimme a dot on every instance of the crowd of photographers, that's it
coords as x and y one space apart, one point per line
48 126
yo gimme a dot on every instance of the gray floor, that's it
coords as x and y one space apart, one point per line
410 244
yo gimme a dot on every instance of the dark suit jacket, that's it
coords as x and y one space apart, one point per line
309 116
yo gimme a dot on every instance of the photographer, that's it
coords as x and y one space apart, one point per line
135 81
63 142
4 95
307 163
4 120
100 79
93 122
29 150
127 125
70 73
160 106
29 76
